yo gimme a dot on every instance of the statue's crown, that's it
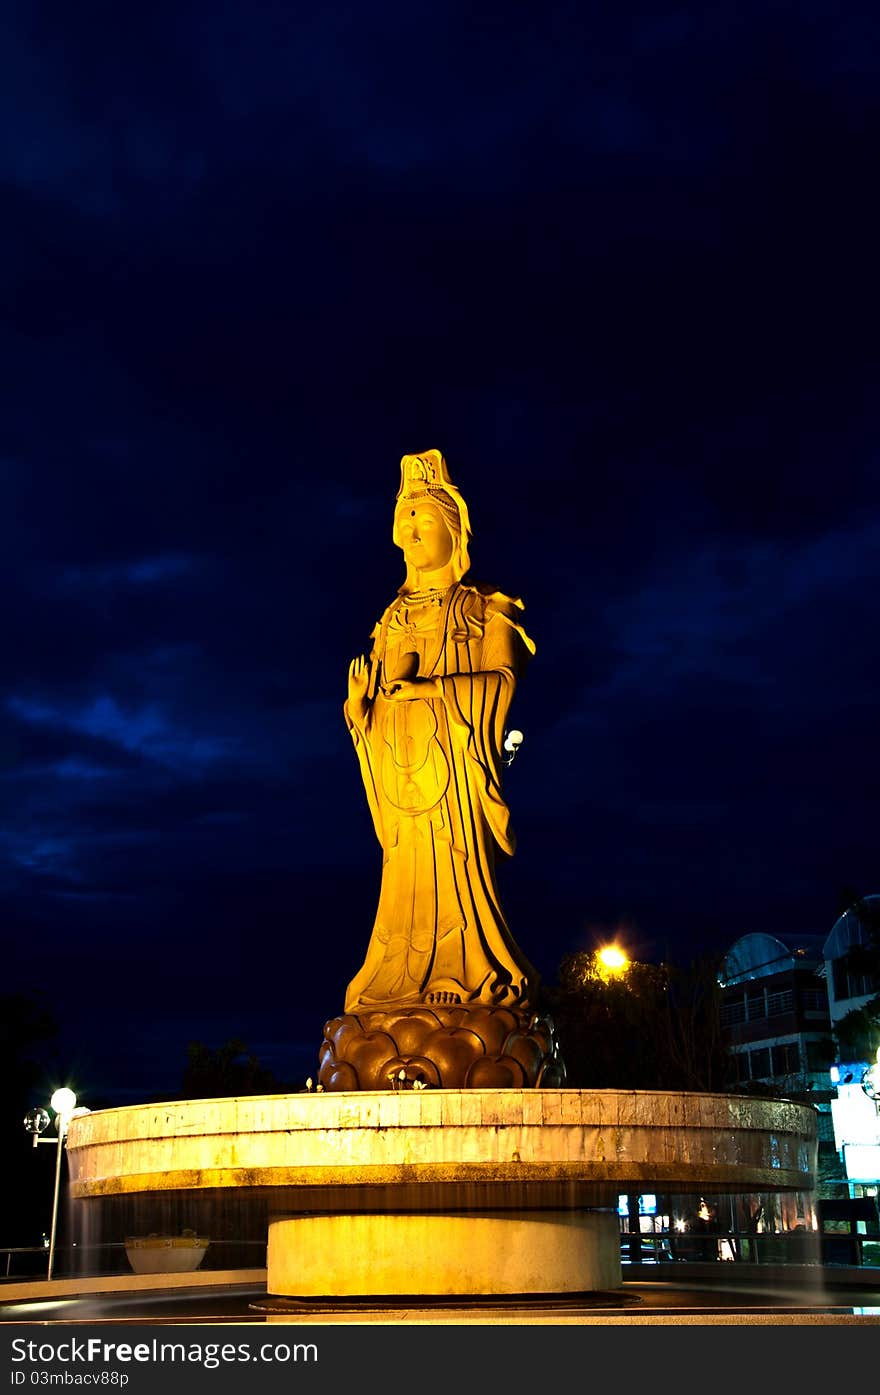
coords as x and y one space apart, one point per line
418 473
428 474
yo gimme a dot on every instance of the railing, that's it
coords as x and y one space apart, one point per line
23 1262
41 1250
777 1247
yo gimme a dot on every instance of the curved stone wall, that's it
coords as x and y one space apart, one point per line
425 1149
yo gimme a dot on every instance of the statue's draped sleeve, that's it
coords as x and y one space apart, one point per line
477 702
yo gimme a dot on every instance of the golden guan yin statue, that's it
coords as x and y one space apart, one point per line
444 997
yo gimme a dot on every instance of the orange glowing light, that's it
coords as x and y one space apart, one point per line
613 959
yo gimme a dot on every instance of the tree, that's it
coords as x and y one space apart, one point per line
229 1070
645 1027
27 1027
858 1032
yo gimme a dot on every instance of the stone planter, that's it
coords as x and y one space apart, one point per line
165 1254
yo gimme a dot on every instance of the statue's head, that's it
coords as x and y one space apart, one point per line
427 494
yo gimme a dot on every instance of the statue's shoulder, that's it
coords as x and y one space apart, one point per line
393 604
376 632
379 630
482 603
490 601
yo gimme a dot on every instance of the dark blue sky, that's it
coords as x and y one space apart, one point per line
619 263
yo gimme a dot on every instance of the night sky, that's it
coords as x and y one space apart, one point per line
619 263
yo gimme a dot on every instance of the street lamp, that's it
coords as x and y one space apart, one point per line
871 1080
36 1121
612 960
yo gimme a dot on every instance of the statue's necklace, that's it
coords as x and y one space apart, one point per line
434 596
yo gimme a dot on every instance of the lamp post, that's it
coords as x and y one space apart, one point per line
36 1121
871 1081
510 745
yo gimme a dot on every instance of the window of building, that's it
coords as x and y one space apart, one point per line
737 1072
733 1011
778 1003
814 1000
786 1058
849 983
755 1005
759 1063
820 1054
825 1127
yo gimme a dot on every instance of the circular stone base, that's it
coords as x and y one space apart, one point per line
282 1309
503 1253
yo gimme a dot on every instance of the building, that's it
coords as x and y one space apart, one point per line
853 981
852 975
775 1014
799 1017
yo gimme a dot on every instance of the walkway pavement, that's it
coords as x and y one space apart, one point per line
793 1296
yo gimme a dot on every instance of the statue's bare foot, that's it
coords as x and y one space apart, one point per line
443 997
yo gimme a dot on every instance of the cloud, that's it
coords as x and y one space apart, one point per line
146 731
718 615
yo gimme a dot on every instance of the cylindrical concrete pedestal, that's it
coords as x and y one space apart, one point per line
500 1253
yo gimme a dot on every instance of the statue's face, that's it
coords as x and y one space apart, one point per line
423 533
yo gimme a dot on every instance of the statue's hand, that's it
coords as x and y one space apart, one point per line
358 683
402 690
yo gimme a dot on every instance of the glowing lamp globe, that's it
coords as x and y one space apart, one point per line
63 1102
